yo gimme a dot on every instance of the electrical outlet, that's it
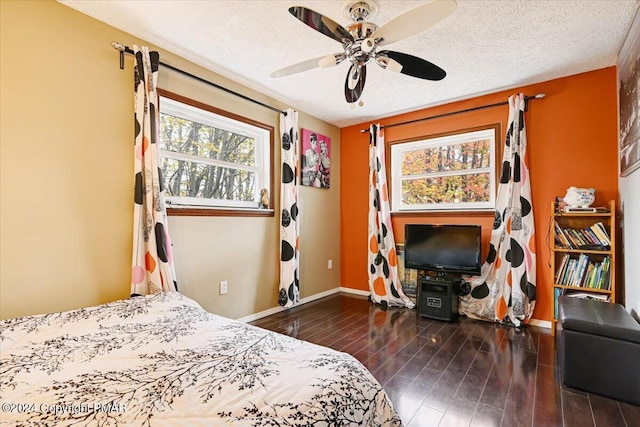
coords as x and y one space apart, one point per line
224 287
330 264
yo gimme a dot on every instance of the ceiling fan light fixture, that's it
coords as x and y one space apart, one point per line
327 61
331 60
393 65
367 45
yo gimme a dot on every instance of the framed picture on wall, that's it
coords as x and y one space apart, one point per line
629 99
316 159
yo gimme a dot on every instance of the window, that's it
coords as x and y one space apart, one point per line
446 172
210 158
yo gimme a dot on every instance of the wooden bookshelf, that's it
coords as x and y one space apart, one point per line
580 261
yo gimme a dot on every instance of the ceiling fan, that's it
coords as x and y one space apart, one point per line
362 39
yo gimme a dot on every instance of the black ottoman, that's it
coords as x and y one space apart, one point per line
600 348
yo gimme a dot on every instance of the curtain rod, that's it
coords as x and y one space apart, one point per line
526 101
126 49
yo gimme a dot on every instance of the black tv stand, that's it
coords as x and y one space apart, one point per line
441 276
438 296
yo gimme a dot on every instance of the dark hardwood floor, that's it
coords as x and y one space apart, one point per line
462 373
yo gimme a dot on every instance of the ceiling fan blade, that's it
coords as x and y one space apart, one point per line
321 23
309 64
414 21
354 84
332 60
413 66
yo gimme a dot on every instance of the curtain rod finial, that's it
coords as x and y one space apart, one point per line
540 95
122 49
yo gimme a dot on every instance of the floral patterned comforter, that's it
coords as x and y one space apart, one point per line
163 360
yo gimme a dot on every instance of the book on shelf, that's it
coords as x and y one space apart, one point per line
571 237
561 239
558 292
590 237
599 229
561 267
604 282
579 273
587 295
575 242
594 237
584 272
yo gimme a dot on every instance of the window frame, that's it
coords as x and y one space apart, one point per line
395 147
224 208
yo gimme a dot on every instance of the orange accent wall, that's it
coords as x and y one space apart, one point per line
572 140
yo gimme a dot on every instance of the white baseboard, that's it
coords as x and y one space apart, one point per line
275 310
540 323
354 291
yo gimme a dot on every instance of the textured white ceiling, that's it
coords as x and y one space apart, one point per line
485 46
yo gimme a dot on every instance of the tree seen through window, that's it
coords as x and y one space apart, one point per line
187 178
455 171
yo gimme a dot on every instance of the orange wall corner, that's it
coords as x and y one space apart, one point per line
572 141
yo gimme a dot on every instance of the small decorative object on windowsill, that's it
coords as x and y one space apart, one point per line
264 199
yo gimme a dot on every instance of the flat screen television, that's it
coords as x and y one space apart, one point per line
453 249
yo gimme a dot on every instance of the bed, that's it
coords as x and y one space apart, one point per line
163 360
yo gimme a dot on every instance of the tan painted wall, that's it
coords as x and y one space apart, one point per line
66 187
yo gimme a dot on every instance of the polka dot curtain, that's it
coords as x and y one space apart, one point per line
384 281
289 293
506 287
153 269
